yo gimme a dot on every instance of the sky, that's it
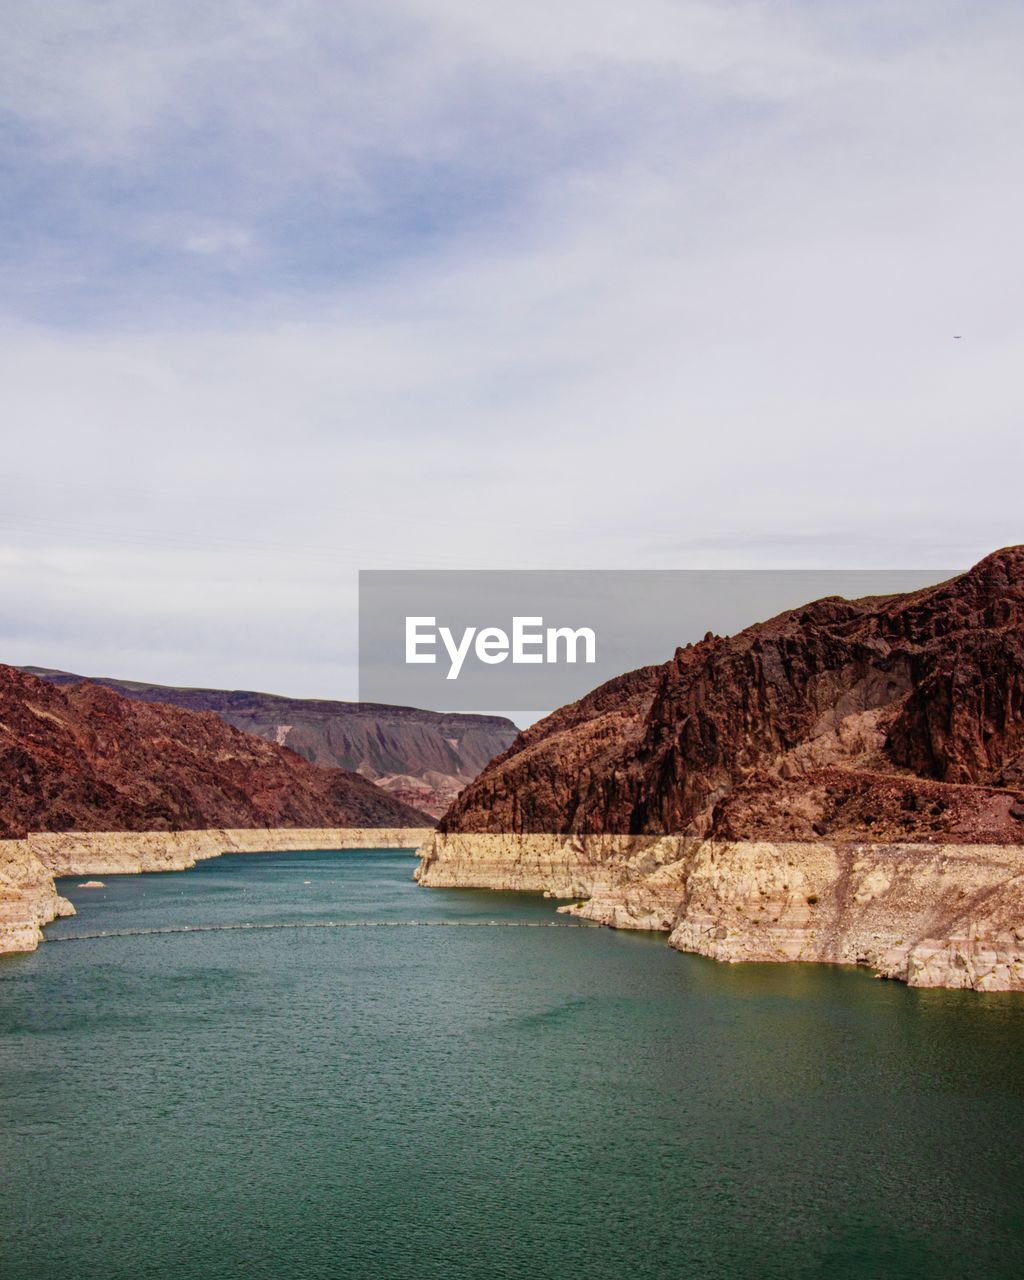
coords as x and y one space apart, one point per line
291 288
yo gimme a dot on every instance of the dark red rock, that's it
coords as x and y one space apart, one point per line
83 758
739 734
422 757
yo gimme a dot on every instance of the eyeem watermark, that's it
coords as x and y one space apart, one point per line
530 642
516 640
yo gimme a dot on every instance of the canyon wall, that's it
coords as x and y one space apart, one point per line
896 719
930 914
28 897
841 783
84 758
423 758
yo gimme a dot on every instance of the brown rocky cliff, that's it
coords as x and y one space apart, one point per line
541 778
85 758
423 757
889 718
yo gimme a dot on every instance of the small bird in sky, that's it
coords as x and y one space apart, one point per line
956 337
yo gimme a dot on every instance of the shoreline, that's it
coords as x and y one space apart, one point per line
29 867
930 915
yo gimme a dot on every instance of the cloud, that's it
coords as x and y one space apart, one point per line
298 288
219 240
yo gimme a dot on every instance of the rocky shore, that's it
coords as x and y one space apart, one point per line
841 783
929 914
29 899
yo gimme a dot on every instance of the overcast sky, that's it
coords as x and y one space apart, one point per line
295 287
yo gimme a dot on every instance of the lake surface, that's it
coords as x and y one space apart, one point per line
481 1101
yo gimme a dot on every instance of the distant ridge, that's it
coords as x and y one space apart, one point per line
85 758
424 758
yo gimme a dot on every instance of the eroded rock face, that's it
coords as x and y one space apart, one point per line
423 758
28 897
843 783
892 719
538 784
83 758
931 915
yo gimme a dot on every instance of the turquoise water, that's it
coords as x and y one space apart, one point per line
481 1102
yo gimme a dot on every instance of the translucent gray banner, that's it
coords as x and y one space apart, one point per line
527 641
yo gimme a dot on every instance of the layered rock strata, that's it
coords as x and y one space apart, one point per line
930 914
29 898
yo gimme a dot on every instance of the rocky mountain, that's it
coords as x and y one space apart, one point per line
83 757
424 758
884 719
843 783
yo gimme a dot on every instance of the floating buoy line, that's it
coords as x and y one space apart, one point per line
326 924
